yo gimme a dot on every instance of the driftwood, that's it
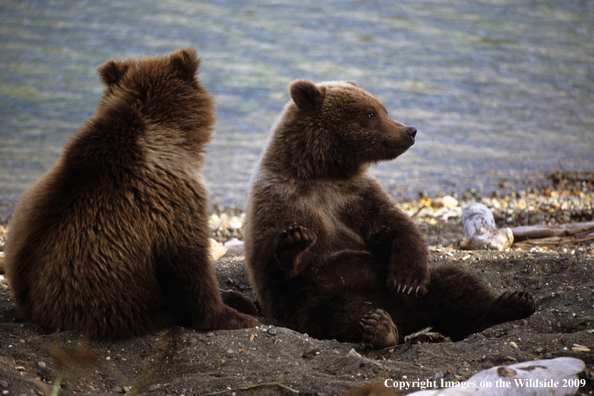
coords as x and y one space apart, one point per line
553 236
542 231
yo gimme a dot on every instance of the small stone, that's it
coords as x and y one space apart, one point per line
118 389
216 250
272 332
447 202
42 365
513 345
229 352
539 350
3 384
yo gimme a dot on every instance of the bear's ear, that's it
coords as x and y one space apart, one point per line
185 62
306 95
353 83
112 71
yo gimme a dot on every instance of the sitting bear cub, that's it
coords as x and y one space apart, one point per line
328 251
114 240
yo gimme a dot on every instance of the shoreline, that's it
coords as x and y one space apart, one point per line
559 197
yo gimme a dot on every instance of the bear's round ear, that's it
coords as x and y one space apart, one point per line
306 95
112 71
185 62
353 83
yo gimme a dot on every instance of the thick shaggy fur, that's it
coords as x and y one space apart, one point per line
326 245
114 240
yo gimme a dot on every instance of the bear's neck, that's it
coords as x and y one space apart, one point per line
304 168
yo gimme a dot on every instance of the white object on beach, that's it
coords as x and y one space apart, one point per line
234 245
217 250
553 377
481 231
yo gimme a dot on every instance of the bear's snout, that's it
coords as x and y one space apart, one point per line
412 132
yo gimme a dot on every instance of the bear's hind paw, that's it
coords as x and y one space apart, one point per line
510 306
377 330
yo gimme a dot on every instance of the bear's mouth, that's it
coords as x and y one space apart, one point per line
400 143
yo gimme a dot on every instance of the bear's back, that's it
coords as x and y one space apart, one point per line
86 241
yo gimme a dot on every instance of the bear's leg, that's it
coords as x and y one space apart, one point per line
377 330
239 302
508 306
191 291
459 304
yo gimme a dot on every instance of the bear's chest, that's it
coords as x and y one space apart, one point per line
329 208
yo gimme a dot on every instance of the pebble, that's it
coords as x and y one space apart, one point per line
3 384
447 202
272 332
42 365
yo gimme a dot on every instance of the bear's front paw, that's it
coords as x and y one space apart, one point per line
292 242
408 281
377 330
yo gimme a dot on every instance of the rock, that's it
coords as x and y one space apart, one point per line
447 202
3 384
272 332
216 250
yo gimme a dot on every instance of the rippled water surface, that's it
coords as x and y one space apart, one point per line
497 89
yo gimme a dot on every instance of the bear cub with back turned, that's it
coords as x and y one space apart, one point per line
328 251
114 240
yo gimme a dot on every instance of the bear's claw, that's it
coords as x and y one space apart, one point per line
377 330
407 285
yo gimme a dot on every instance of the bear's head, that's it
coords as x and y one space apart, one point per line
334 130
163 91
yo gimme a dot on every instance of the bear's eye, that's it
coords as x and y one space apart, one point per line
371 115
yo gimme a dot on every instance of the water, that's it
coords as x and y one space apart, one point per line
497 89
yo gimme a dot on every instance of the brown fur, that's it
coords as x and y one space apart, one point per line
114 240
326 245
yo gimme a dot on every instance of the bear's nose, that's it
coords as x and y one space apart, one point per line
412 132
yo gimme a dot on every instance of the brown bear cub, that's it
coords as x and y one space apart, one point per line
328 251
114 240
